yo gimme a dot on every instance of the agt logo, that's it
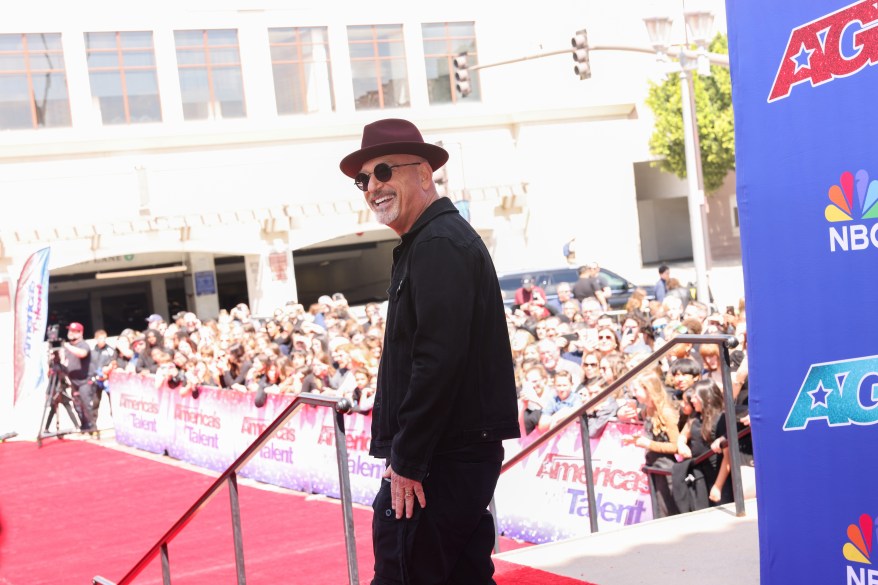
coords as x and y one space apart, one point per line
858 549
840 393
855 197
832 46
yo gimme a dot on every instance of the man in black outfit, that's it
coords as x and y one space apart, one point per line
446 391
76 362
591 284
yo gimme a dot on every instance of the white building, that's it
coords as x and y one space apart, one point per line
184 155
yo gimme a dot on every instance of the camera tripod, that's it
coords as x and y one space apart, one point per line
58 393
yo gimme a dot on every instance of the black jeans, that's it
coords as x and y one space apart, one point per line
450 540
661 487
83 396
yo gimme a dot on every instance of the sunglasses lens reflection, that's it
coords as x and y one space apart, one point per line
382 172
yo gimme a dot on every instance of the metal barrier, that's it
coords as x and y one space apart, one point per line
650 471
725 342
230 477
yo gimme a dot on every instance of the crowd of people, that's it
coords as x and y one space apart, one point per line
568 351
319 350
565 352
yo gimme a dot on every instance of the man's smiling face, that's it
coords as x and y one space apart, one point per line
399 201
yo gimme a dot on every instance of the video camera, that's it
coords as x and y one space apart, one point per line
55 344
53 337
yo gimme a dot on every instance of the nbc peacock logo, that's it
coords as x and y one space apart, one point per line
854 197
858 548
858 552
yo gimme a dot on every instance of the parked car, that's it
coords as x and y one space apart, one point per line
548 280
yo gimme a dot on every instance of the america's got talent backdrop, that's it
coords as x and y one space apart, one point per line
542 499
804 90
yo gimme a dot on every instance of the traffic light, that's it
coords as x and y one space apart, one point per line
461 75
440 177
580 54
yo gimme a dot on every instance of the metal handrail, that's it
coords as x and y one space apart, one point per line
724 341
651 471
698 460
341 406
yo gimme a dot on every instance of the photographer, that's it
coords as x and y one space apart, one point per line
102 362
55 390
76 360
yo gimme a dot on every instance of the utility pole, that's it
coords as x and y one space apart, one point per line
686 59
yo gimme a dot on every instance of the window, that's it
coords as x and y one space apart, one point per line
442 42
301 67
614 281
33 84
121 69
210 74
378 66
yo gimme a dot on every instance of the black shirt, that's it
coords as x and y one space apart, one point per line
77 368
586 287
446 378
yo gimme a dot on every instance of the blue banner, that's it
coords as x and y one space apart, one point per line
807 175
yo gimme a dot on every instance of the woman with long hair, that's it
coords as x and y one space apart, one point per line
519 340
610 367
257 380
608 341
233 367
613 367
704 433
635 303
591 373
289 379
363 394
659 438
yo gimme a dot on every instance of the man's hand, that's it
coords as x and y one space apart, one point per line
403 492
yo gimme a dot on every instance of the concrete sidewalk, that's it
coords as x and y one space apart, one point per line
709 546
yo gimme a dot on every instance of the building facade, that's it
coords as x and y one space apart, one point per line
185 156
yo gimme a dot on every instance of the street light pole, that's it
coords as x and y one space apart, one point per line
659 29
696 195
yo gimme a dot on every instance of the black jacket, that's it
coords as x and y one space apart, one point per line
689 487
446 376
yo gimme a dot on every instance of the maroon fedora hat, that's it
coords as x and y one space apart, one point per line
392 136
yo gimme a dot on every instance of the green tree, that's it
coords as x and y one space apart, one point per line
716 129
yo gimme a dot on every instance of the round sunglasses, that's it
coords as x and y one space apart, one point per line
382 172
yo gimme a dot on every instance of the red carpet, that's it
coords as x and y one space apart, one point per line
72 510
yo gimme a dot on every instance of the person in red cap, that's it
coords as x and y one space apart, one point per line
446 395
76 362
